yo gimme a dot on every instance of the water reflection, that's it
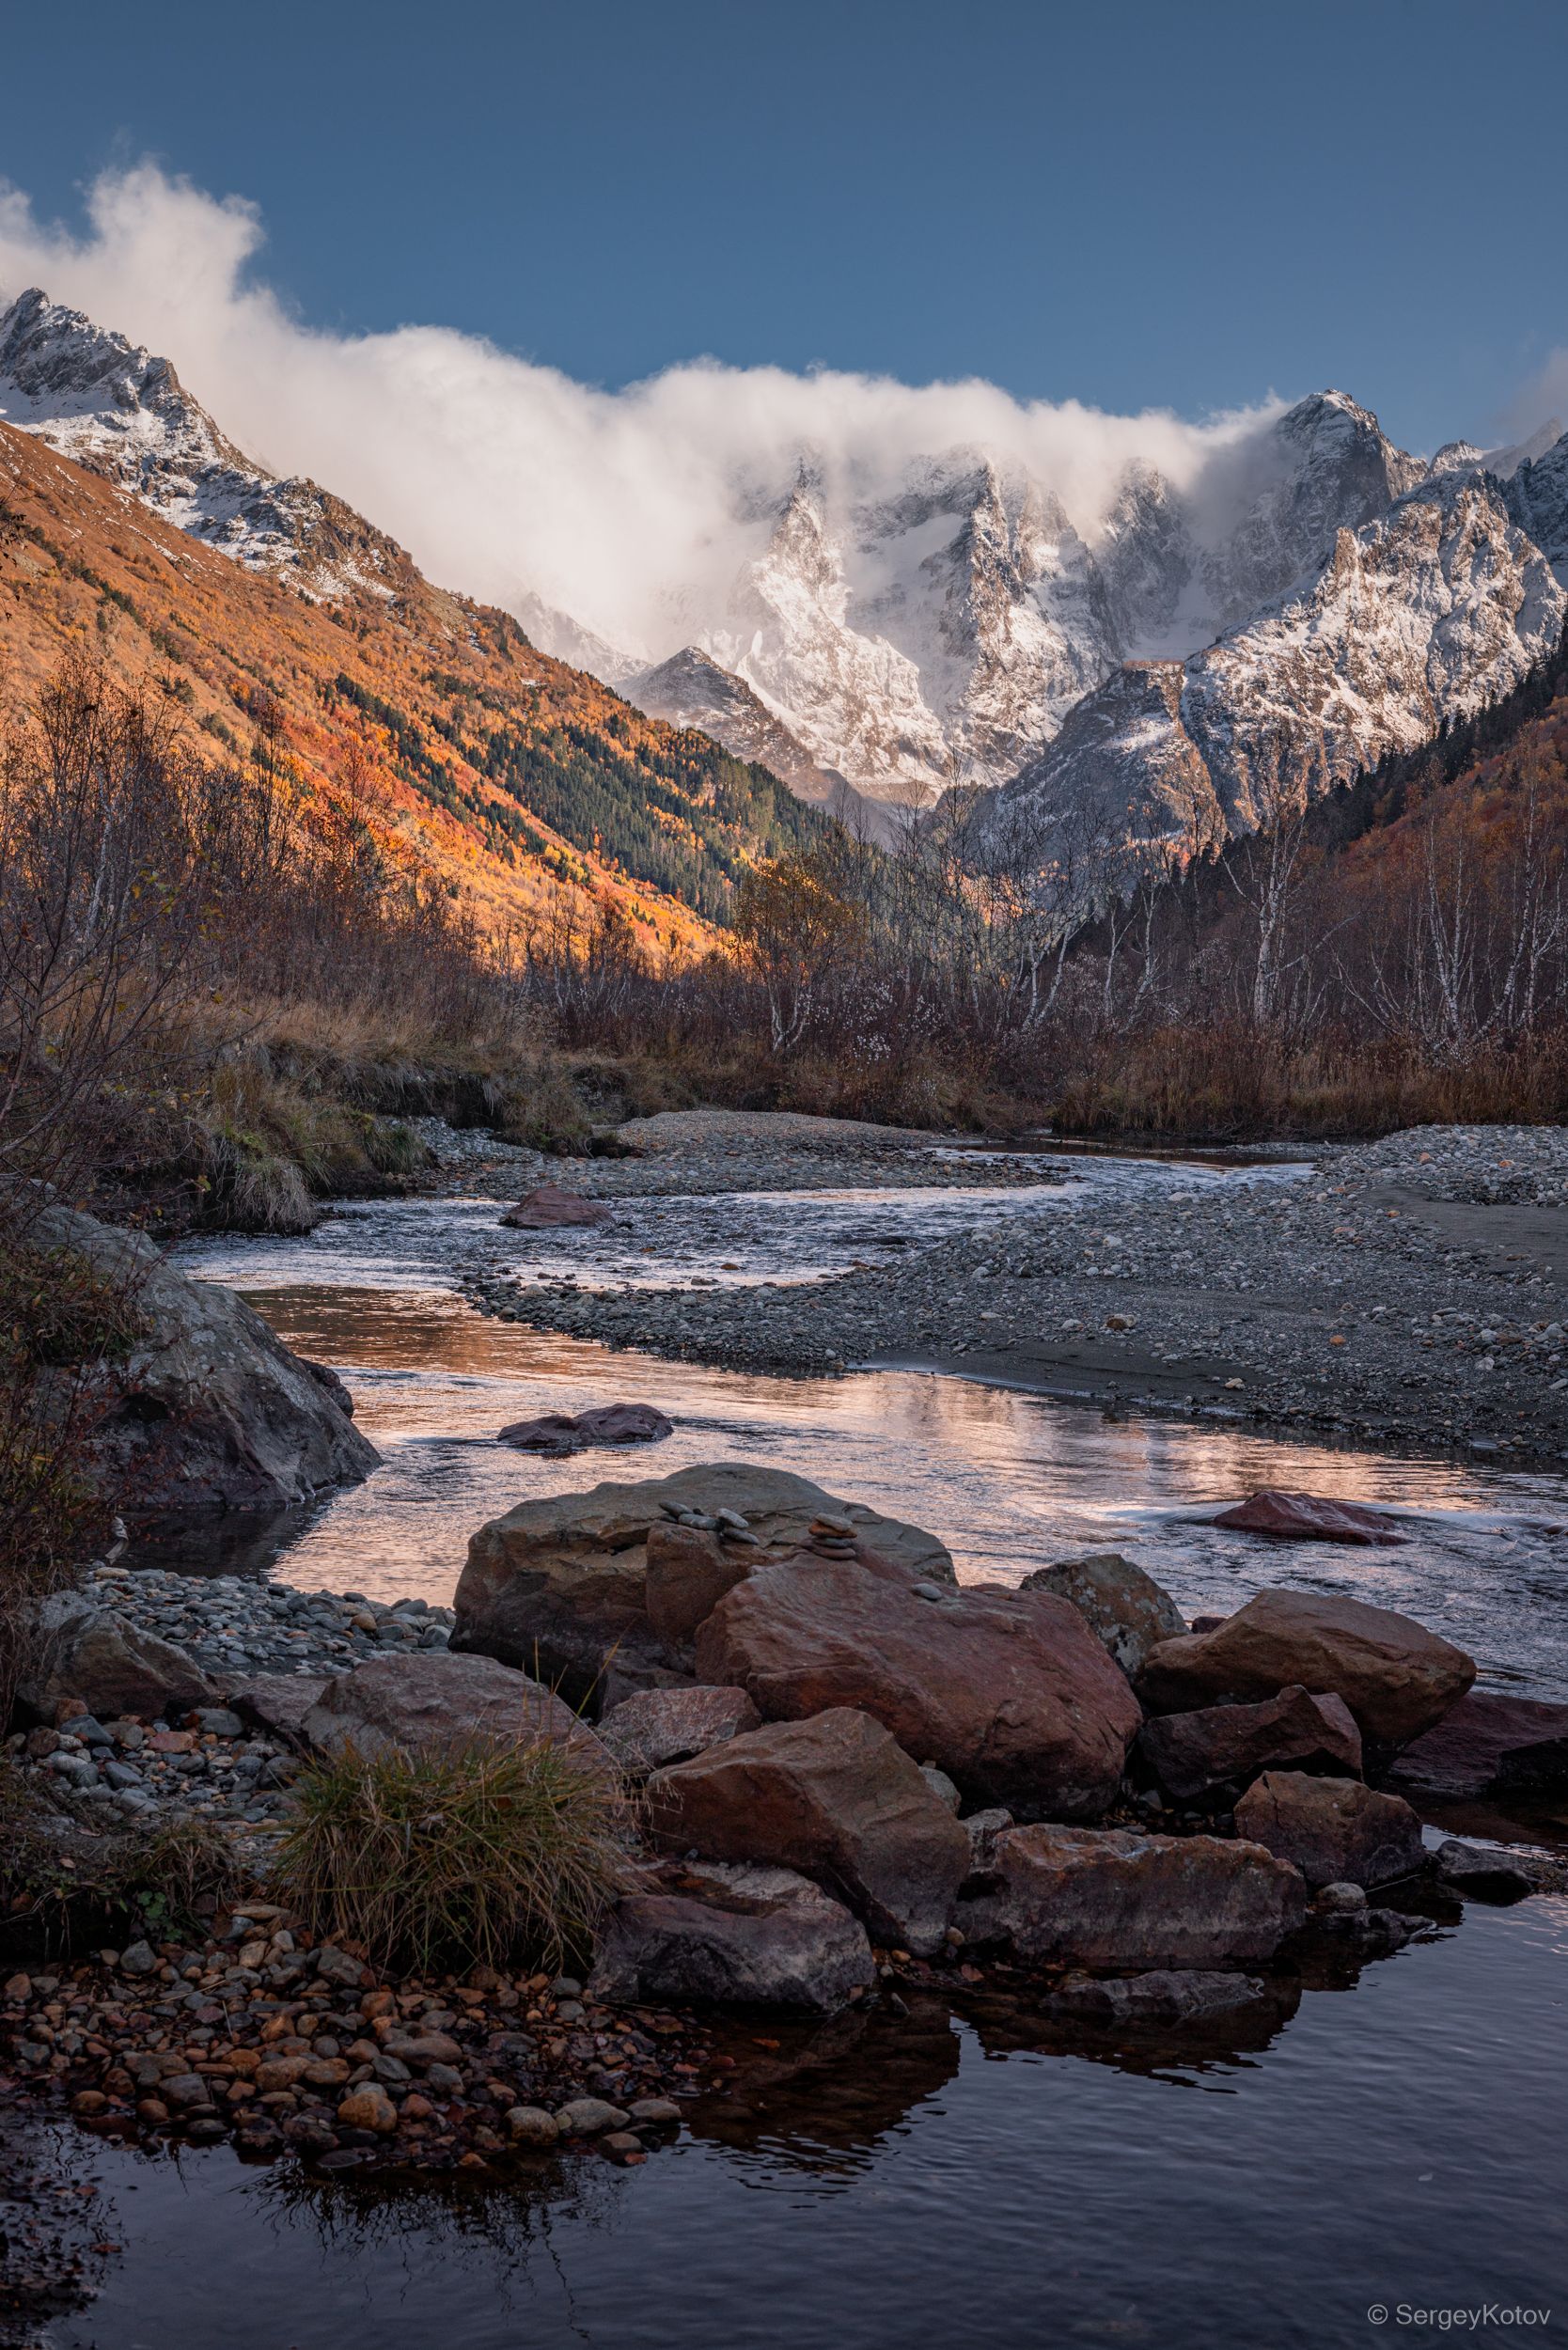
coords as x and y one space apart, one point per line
1008 1481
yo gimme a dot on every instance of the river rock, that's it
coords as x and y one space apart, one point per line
278 1703
1487 1744
688 1572
433 1699
1336 1831
646 1733
1116 1898
93 1653
1227 1746
1482 1874
557 1587
561 1433
834 1798
548 1208
1007 1691
1160 1997
1311 1518
705 1932
208 1410
1396 1677
1124 1608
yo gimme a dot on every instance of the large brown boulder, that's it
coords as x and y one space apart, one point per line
547 1208
688 1573
80 1651
1227 1746
1311 1518
557 1587
1007 1691
839 1799
1396 1677
209 1410
1336 1831
1489 1743
431 1699
703 1932
1124 1607
1115 1898
658 1726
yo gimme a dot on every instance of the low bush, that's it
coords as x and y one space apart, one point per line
64 1885
457 1855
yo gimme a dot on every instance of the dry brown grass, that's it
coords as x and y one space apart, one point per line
456 1856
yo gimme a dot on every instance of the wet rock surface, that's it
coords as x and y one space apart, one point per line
733 1935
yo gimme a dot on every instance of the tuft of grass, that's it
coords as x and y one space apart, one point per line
456 1856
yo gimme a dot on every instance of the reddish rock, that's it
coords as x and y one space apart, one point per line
1115 1898
561 1433
837 1798
664 1726
547 1208
431 1699
557 1587
1311 1518
1228 1744
1127 1612
1488 1744
688 1572
1007 1691
751 1937
1336 1831
1396 1677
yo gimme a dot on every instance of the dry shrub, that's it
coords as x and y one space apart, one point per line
64 1885
456 1856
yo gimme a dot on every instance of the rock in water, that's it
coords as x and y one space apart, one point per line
93 1653
834 1798
559 1433
431 1699
1488 1744
742 1936
1336 1831
557 1587
1223 1746
1396 1677
1311 1518
1159 1997
658 1726
1113 1898
208 1411
1009 1692
1124 1607
548 1208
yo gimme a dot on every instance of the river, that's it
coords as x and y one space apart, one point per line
952 2178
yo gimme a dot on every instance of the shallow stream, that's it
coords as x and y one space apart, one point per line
1393 2145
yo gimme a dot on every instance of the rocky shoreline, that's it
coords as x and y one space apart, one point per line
1407 1292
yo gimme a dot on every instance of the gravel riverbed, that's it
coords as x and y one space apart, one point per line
1406 1291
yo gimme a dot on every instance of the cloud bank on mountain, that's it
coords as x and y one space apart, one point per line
630 509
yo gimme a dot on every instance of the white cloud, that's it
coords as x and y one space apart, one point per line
626 509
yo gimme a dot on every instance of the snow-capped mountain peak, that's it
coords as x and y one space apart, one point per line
113 406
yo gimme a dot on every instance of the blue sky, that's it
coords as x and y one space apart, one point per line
1130 205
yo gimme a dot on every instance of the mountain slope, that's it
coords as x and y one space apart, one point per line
253 605
941 633
1423 616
